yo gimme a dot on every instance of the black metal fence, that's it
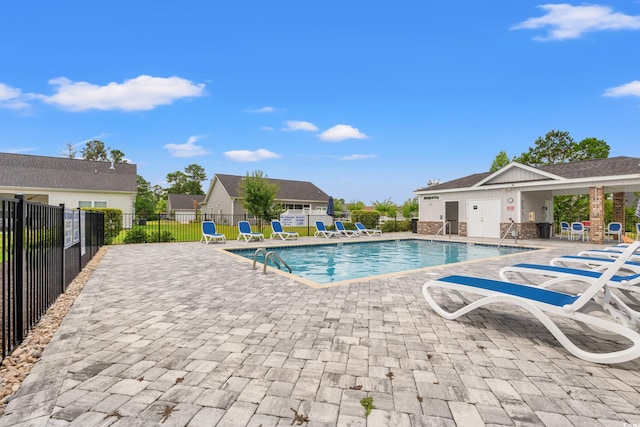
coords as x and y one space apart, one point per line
186 227
43 248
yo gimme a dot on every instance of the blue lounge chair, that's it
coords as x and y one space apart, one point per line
629 284
278 231
613 317
321 231
344 232
368 231
612 252
245 232
209 233
593 263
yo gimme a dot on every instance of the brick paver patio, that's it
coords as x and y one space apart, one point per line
180 334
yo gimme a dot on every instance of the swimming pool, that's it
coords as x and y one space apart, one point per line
329 263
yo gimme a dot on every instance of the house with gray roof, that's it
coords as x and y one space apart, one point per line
516 199
184 207
75 183
298 198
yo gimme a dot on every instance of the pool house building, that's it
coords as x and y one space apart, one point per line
517 200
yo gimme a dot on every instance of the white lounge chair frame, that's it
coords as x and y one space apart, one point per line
278 231
209 233
541 302
368 231
610 252
628 284
244 232
593 263
321 231
344 232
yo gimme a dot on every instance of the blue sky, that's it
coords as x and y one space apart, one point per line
369 100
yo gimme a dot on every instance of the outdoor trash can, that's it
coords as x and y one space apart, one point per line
544 229
142 221
414 225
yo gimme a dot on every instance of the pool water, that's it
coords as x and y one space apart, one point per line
330 263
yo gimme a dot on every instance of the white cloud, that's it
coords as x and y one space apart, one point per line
142 93
12 98
189 149
358 157
250 156
266 109
629 89
267 128
341 132
293 125
570 22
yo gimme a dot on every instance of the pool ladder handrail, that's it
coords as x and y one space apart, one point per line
506 233
270 254
444 226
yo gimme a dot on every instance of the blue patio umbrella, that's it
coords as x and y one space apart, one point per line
638 209
330 211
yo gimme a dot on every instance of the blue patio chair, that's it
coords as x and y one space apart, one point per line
614 229
344 232
321 231
278 231
209 233
368 231
245 232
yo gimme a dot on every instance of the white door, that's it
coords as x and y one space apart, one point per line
483 218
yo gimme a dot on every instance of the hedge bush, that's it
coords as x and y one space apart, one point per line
136 235
112 223
391 226
368 218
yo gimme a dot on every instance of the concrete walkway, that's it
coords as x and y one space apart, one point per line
181 334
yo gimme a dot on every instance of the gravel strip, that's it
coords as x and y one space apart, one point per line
18 364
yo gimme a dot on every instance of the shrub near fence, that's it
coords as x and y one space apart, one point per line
43 249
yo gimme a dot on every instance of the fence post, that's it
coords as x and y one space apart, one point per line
62 257
20 273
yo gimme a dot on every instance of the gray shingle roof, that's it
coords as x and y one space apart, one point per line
21 170
289 190
611 166
184 201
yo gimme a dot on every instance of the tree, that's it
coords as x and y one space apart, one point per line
259 196
433 181
500 161
145 199
591 148
95 150
409 208
558 147
70 151
355 205
187 182
117 156
386 207
338 206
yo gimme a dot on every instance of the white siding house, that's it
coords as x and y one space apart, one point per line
73 182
